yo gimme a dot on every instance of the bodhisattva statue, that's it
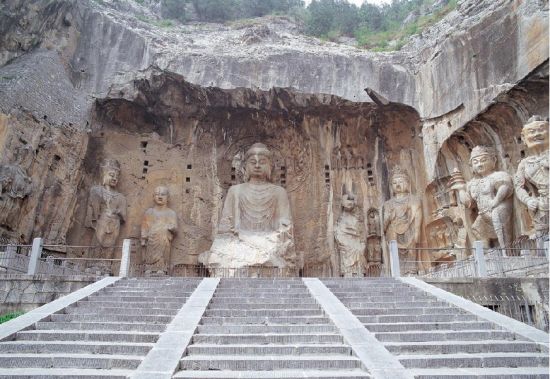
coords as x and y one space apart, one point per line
491 193
255 229
158 228
106 210
531 179
402 220
350 239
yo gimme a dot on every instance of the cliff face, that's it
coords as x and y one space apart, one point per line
99 82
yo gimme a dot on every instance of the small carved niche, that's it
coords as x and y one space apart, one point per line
145 169
327 174
370 175
283 176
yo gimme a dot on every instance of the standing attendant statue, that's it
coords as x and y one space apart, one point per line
158 228
350 238
402 220
106 210
490 191
255 228
531 180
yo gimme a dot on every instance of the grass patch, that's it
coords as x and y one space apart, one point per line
397 36
10 316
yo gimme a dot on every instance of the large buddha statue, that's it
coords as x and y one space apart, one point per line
255 229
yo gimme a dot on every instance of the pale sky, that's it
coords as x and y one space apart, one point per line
359 2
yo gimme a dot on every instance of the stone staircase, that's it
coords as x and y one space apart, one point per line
433 339
267 328
105 335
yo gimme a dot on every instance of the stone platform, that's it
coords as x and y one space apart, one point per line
268 328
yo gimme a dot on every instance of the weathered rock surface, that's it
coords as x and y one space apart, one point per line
175 106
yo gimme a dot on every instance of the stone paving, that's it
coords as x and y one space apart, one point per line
267 328
434 339
159 328
106 334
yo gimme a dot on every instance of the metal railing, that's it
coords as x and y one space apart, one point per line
53 260
516 307
529 260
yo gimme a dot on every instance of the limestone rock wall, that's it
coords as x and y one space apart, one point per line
84 80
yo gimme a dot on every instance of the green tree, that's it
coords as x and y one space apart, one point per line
173 9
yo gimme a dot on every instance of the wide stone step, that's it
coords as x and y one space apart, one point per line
482 373
128 293
272 305
61 360
396 298
436 335
102 317
264 320
113 326
253 329
213 349
452 347
101 304
397 304
262 293
283 362
289 301
411 311
137 299
475 360
83 308
77 335
73 373
417 318
74 347
342 294
264 339
262 312
425 326
286 374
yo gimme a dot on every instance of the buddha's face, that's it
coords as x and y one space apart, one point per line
161 196
110 177
483 164
258 166
535 134
348 202
400 184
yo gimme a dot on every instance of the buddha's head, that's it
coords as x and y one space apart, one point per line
348 201
160 195
400 182
483 160
258 163
535 133
110 171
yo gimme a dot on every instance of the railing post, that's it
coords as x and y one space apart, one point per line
36 253
394 260
480 259
125 259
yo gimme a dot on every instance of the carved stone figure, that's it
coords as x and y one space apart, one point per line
106 209
350 238
491 193
15 185
255 229
531 179
402 220
158 228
